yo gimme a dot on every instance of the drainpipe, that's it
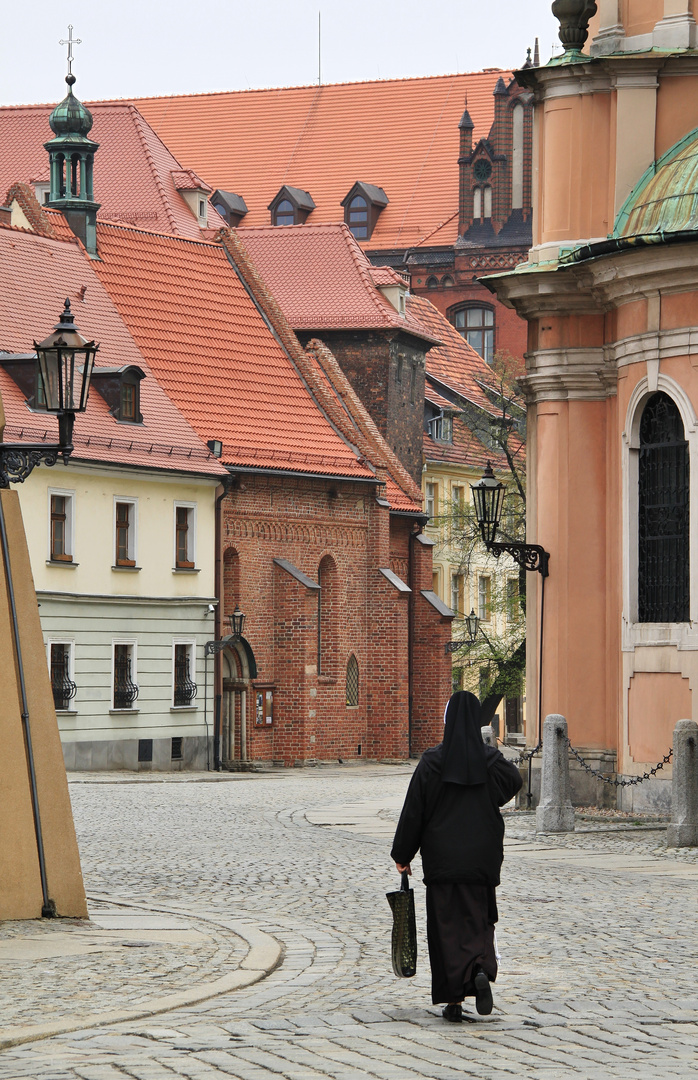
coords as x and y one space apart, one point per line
227 484
410 636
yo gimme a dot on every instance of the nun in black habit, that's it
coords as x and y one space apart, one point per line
452 814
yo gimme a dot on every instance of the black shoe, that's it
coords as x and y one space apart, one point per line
483 994
453 1012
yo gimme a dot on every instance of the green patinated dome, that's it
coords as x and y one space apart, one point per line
665 200
70 117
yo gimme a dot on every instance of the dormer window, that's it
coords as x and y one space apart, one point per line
285 214
362 206
231 207
23 369
195 193
120 388
441 427
291 206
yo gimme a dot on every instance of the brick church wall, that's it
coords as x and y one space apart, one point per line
318 525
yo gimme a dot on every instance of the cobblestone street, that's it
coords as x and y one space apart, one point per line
276 883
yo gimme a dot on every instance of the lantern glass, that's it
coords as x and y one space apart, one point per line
472 625
488 496
237 622
66 361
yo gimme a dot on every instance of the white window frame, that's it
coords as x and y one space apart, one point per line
191 534
191 645
637 634
71 657
484 610
132 530
133 643
433 499
69 525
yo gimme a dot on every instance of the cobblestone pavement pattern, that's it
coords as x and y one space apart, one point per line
597 933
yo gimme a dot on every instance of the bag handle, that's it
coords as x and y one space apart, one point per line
404 882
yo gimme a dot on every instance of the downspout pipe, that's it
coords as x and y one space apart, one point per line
218 620
48 907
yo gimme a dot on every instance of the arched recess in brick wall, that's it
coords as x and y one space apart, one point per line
231 581
328 611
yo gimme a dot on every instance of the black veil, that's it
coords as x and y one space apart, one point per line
464 760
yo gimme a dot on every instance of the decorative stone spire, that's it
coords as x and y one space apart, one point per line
574 16
536 55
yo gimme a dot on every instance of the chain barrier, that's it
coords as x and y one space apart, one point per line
524 755
614 780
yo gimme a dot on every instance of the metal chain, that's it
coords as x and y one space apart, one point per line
614 780
524 755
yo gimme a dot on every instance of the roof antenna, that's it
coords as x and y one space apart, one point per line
70 42
319 48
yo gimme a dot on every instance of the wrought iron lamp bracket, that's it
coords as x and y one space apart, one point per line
17 460
528 556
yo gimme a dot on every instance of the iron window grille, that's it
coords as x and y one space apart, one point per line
185 689
352 682
125 689
176 751
63 687
663 515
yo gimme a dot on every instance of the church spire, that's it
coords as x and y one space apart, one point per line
71 157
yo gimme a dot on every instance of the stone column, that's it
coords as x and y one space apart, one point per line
488 736
683 831
555 812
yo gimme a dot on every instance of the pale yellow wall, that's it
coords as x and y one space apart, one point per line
93 549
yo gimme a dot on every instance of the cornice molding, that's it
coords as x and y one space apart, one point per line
568 375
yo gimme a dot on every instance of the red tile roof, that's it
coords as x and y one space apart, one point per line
322 280
197 325
133 176
36 274
399 134
466 449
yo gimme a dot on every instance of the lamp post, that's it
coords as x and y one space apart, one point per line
66 360
488 496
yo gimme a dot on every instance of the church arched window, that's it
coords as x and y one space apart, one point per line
663 514
517 157
284 213
487 202
352 682
477 204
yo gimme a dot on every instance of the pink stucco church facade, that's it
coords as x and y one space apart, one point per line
610 293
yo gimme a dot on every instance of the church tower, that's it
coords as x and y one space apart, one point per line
71 156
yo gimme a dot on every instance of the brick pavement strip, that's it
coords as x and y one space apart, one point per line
597 931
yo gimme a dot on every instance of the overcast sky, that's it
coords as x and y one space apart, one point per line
138 47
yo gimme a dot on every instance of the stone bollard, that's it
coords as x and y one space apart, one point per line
555 812
488 736
683 831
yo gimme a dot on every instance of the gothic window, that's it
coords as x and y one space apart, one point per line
476 324
447 282
517 163
477 204
663 514
357 217
432 283
284 213
487 202
352 682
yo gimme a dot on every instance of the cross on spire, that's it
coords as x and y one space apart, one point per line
70 42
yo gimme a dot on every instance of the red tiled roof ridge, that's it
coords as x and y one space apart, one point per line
297 86
241 261
31 208
138 124
130 227
357 410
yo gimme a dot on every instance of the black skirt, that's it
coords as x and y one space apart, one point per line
460 934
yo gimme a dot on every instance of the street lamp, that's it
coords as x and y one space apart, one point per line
237 623
65 362
488 496
472 624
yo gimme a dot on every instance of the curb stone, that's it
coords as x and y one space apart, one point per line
265 954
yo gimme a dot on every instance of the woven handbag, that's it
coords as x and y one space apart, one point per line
404 940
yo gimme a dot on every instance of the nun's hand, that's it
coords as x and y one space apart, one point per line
406 869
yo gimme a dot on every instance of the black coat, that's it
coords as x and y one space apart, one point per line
459 828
